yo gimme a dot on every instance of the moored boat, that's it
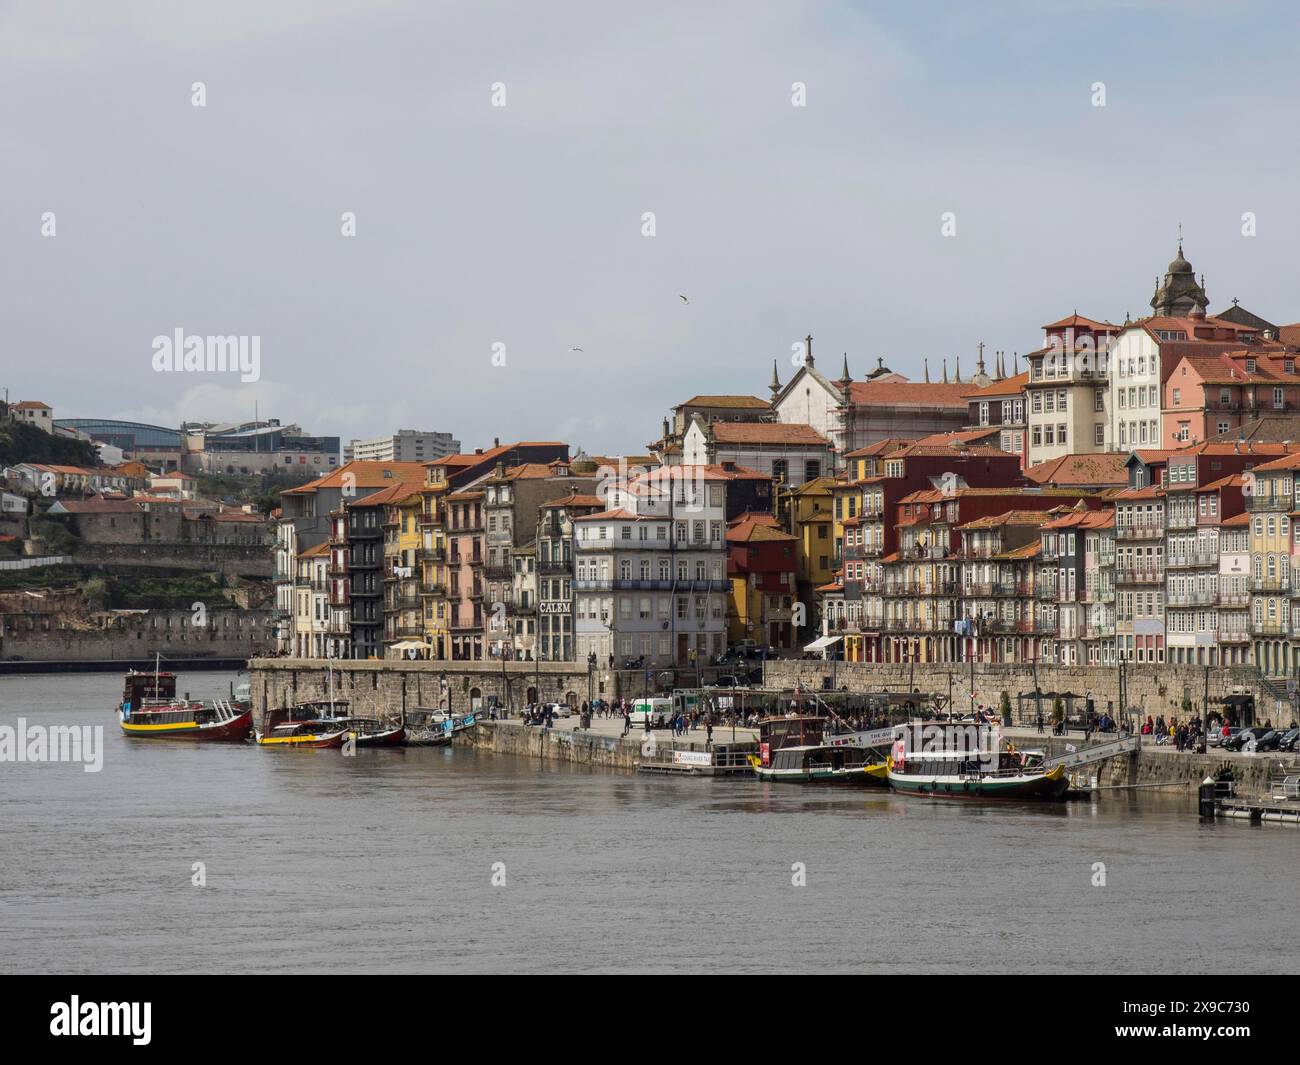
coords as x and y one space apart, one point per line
976 766
150 710
304 725
796 749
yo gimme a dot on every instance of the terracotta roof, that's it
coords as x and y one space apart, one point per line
320 550
1237 519
880 447
733 402
947 449
754 531
365 475
1029 550
1078 321
1083 519
767 433
1233 480
1010 386
1103 468
99 506
618 514
1289 334
965 436
575 499
1011 517
1286 462
909 394
1151 491
394 494
30 404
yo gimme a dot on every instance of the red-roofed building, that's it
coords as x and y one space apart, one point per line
761 569
1065 395
787 453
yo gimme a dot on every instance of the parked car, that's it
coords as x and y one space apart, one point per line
745 648
729 682
1216 738
1247 739
561 709
1287 741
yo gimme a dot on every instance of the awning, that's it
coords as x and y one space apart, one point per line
822 642
408 645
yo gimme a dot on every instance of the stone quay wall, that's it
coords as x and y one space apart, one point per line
1154 689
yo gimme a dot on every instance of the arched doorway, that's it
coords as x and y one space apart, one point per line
475 698
531 695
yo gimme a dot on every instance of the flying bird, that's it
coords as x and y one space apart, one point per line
682 298
576 349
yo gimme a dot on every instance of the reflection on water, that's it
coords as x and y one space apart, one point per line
383 862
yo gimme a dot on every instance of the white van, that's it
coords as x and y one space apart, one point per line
658 709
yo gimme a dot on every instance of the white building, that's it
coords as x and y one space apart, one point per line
650 572
406 445
790 453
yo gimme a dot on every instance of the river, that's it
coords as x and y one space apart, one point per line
384 862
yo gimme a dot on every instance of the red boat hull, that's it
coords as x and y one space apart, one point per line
235 730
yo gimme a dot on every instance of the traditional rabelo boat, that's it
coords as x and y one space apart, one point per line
326 723
150 709
797 749
970 762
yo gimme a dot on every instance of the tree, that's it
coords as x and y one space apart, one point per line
1004 708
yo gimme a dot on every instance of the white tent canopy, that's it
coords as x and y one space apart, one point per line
823 642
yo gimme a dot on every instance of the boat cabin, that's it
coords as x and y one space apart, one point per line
142 689
778 733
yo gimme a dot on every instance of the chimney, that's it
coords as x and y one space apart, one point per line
496 441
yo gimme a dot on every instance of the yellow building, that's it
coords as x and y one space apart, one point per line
403 613
809 517
1270 503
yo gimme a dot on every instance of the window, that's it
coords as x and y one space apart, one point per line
812 469
1099 435
1099 400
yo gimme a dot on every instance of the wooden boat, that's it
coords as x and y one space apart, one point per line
984 770
797 749
435 728
327 723
150 710
305 725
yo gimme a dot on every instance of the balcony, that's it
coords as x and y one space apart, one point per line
431 554
1234 636
1196 598
1143 530
1270 502
1099 632
1270 585
1045 590
555 567
404 602
1270 628
1192 560
1238 599
436 589
1139 574
498 571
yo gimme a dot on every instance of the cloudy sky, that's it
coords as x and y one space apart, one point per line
522 225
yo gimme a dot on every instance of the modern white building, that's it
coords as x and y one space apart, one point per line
406 445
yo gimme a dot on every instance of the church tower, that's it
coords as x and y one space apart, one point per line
1179 295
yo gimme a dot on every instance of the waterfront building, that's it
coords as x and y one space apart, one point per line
1209 396
1270 504
403 613
554 559
1140 574
514 497
1078 568
312 603
465 583
306 520
998 617
761 570
1234 645
649 578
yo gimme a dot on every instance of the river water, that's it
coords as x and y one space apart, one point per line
384 863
